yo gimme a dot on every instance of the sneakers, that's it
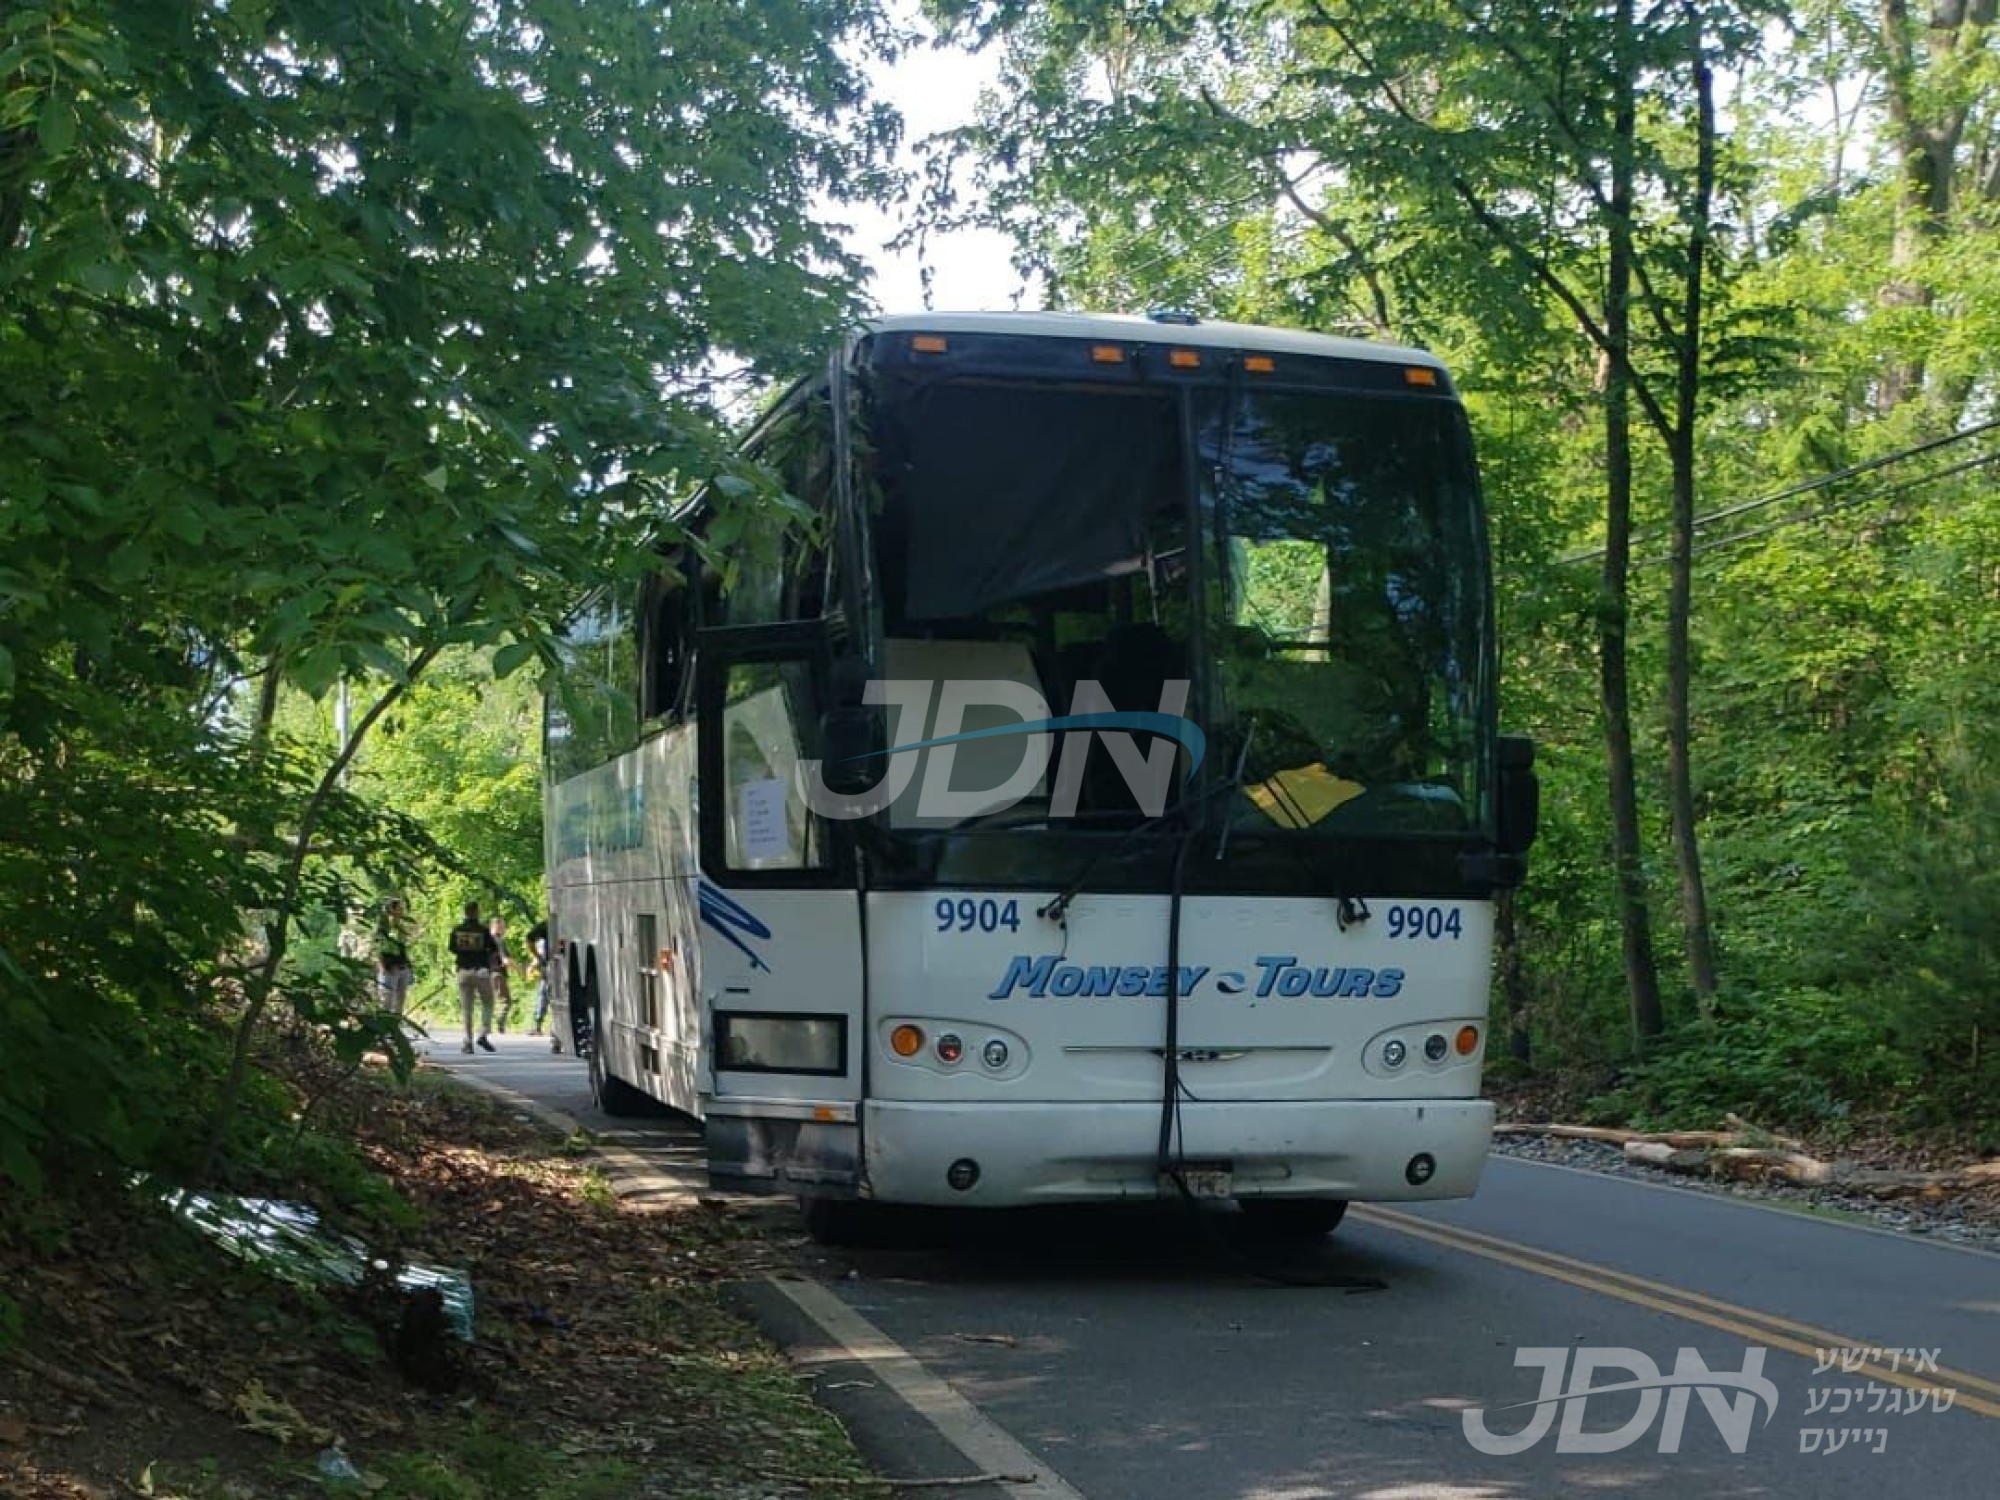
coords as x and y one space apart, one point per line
485 1046
466 1048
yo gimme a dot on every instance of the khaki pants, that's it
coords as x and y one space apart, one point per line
395 986
476 983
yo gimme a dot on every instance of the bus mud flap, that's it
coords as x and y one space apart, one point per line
810 1158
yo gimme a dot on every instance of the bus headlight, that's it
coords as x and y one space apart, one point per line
1435 1046
1394 1053
994 1054
949 1047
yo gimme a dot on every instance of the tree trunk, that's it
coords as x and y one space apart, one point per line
1642 981
1929 103
1680 593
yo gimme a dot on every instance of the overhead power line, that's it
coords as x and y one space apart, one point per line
1888 493
1809 486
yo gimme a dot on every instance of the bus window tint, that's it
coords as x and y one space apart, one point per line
1035 533
1349 633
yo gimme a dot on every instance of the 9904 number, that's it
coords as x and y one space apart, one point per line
967 915
1431 923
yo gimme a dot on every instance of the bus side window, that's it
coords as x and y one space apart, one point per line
665 626
793 586
767 825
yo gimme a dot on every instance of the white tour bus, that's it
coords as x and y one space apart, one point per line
1100 799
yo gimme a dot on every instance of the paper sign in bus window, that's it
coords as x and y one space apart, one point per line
762 808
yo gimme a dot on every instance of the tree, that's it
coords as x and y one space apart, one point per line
335 338
1494 153
1938 67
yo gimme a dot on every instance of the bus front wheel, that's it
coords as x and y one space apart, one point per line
1293 1219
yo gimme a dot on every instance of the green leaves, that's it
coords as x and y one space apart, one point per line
330 336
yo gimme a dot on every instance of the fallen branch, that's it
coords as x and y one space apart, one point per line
1754 1163
1610 1136
1747 1153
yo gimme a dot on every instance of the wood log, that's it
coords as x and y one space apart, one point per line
1729 1153
1877 1184
1660 1154
1760 1162
1676 1138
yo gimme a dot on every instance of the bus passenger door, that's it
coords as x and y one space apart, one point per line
780 957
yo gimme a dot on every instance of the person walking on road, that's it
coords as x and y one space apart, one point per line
392 956
538 970
503 990
477 955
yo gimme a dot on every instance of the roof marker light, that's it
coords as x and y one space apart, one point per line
1420 375
929 343
1107 354
1184 359
1259 364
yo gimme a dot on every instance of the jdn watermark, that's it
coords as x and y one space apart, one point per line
1731 1399
1149 776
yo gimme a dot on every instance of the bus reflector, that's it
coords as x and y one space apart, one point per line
906 1041
929 343
1468 1040
1420 375
825 1115
1184 359
1107 354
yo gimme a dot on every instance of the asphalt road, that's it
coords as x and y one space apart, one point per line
1155 1355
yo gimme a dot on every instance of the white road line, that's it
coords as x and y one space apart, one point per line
986 1446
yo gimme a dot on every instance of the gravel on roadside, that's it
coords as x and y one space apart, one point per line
1971 1219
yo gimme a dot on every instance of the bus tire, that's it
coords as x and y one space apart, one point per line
1292 1220
613 1094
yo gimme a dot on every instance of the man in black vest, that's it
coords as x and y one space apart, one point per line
477 956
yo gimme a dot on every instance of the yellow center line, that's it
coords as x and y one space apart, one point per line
1746 1323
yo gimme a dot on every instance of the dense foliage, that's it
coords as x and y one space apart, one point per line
1765 497
337 342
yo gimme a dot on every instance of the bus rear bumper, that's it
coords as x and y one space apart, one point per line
1362 1151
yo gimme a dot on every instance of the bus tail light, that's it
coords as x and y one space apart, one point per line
1468 1040
906 1040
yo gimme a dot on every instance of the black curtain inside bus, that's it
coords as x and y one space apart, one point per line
994 492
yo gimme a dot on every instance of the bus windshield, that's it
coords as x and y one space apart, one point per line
1347 624
1298 571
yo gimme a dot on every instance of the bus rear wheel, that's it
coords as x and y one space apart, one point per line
615 1096
1293 1219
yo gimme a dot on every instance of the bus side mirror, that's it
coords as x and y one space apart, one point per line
851 743
1519 804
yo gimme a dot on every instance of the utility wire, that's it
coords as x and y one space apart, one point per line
1826 510
1806 487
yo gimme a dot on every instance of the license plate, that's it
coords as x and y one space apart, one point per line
1199 1184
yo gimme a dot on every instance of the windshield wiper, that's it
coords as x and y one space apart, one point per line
1058 904
1236 781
